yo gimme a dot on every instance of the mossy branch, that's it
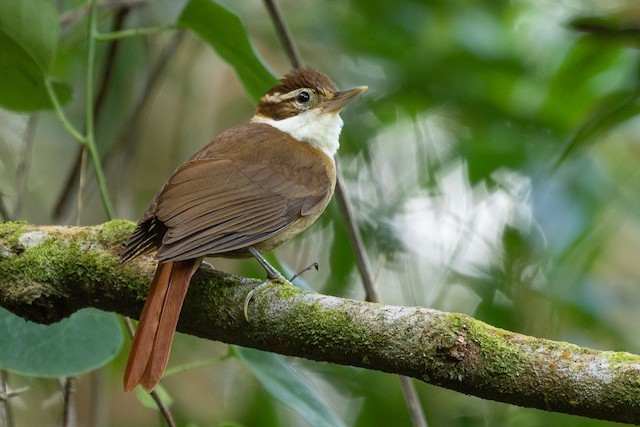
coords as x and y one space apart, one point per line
47 273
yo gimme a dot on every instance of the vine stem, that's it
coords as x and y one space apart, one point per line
90 139
60 113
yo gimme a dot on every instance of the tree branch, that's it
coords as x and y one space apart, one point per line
47 273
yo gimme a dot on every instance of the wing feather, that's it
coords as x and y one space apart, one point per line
226 199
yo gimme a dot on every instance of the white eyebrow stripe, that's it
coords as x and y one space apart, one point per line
274 98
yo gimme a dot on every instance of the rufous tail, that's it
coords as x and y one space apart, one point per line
151 345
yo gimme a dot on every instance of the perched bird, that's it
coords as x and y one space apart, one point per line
252 188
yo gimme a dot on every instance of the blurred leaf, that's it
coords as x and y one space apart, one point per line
22 86
81 343
285 385
498 314
611 111
33 25
259 409
341 259
224 31
29 34
610 26
581 255
571 91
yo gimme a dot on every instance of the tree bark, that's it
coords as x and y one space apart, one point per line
48 272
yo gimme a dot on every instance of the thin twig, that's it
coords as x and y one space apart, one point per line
90 137
24 166
126 137
154 394
70 17
97 409
81 184
283 33
5 408
4 212
355 238
413 402
409 391
68 391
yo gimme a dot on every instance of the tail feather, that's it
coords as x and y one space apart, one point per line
177 291
151 345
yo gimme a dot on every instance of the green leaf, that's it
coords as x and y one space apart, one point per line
341 256
82 343
612 111
570 93
285 385
33 25
22 86
224 31
29 33
613 26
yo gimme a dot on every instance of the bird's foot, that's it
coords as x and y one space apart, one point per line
273 275
261 287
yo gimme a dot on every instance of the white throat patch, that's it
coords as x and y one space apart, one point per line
317 127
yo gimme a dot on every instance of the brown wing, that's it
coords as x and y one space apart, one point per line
225 199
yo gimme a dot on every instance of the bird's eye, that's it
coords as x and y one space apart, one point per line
303 97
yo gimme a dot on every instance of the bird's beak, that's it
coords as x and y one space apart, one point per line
342 99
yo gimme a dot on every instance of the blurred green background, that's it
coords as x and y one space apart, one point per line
492 167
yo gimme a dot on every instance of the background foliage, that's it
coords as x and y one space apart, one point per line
492 166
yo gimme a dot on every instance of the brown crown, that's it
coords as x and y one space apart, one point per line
280 101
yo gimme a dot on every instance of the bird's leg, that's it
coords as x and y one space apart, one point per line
272 275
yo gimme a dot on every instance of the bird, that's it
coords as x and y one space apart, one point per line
251 189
